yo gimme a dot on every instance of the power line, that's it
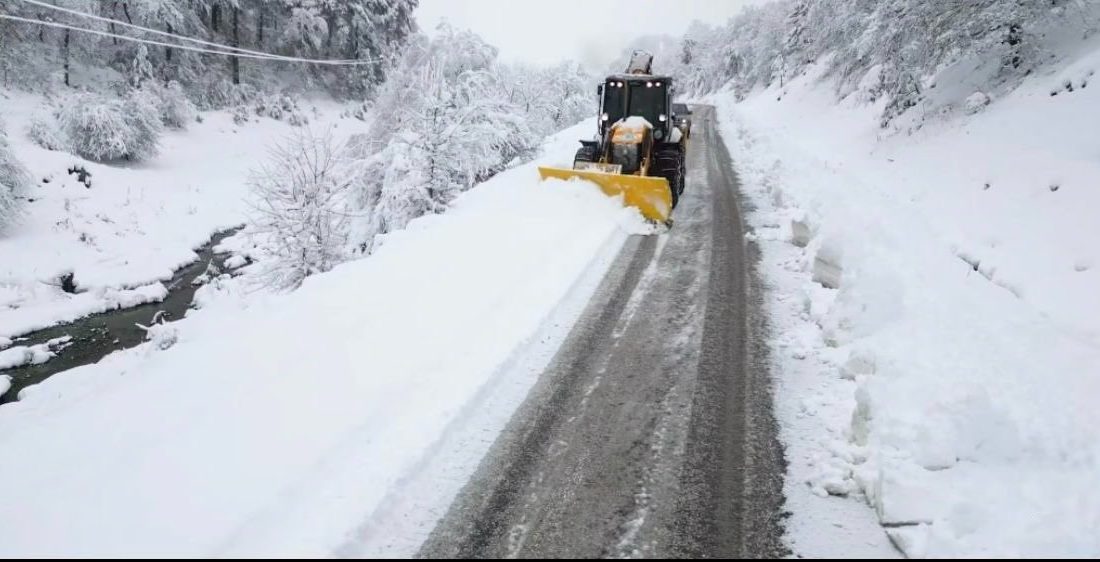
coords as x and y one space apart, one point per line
188 48
166 33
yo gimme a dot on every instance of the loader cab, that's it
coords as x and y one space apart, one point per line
641 95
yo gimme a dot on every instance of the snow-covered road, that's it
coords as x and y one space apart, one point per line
651 432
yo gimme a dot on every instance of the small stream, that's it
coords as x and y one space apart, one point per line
94 337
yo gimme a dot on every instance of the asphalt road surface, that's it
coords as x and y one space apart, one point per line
651 432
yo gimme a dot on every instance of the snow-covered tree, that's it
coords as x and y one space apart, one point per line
301 207
141 70
13 179
373 30
68 46
441 126
552 97
887 48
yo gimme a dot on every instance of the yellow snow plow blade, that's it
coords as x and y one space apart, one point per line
650 195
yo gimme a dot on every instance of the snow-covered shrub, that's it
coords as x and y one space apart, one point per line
143 115
44 131
13 179
176 111
297 119
300 203
106 129
281 107
241 114
221 94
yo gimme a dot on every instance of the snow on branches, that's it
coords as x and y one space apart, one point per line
300 207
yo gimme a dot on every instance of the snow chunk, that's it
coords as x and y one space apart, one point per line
19 356
155 292
976 102
236 261
636 121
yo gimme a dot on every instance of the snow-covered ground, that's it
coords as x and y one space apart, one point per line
268 424
136 224
936 305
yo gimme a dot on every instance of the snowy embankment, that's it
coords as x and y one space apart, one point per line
935 301
280 424
135 224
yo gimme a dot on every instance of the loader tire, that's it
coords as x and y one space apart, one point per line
584 154
669 162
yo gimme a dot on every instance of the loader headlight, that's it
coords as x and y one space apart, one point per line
662 118
603 117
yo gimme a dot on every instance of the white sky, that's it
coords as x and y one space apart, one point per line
591 31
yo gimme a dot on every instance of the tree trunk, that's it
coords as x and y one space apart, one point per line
260 27
66 51
114 14
236 61
216 17
168 50
330 20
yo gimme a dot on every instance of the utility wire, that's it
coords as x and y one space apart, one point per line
186 47
231 50
162 33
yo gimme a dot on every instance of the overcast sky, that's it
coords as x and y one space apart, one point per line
591 31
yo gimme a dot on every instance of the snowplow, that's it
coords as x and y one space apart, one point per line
638 151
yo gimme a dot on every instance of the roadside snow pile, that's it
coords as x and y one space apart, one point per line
952 375
276 424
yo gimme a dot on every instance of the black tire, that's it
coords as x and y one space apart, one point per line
585 154
668 163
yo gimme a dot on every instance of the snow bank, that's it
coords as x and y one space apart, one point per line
20 355
951 376
276 424
34 307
